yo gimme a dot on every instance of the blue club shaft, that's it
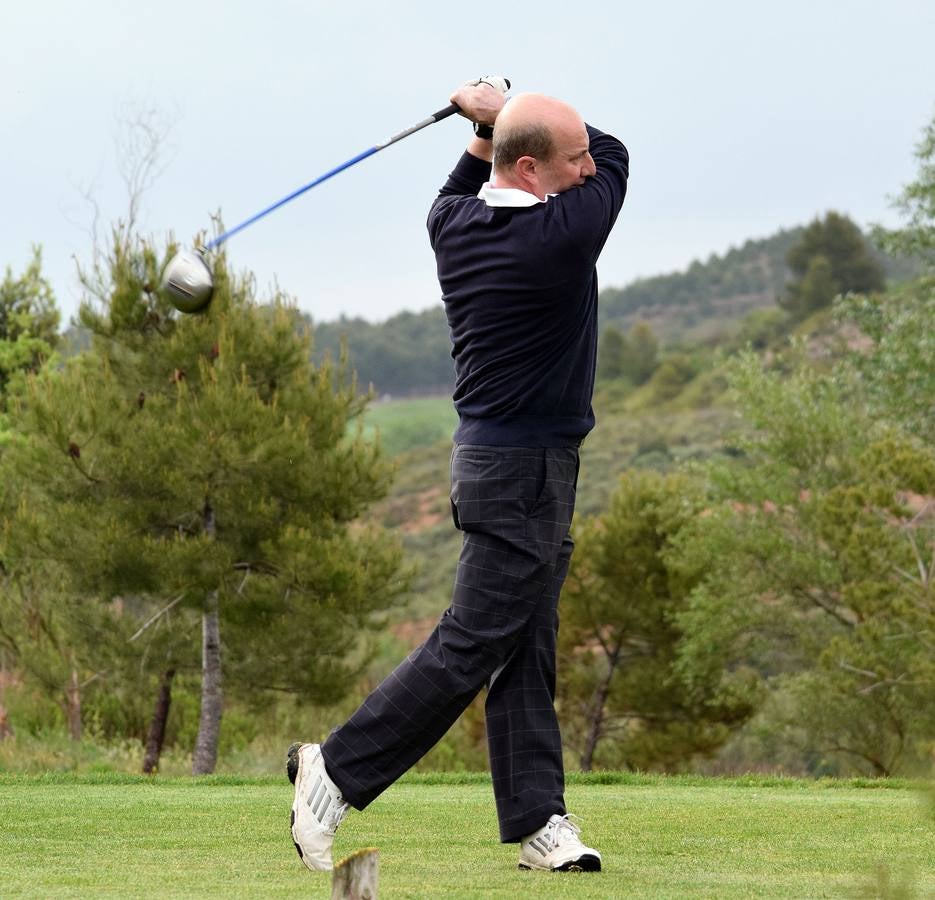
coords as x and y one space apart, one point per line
435 117
264 212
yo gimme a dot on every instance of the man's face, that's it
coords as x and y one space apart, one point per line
570 162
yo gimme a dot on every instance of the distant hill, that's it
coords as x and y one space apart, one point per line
408 354
708 297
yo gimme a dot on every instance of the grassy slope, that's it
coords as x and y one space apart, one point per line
660 837
415 422
655 436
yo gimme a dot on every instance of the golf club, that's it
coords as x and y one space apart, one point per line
187 278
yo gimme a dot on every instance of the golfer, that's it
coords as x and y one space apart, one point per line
516 249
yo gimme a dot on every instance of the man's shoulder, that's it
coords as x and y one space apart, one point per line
462 206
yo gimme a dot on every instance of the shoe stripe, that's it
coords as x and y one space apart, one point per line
321 801
314 795
312 792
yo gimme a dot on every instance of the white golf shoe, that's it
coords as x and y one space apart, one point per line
557 847
318 807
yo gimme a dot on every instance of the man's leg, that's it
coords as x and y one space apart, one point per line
522 726
503 501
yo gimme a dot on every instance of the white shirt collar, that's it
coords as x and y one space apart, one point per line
494 196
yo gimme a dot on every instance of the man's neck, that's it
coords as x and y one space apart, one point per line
502 180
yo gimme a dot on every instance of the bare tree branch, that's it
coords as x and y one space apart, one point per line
141 141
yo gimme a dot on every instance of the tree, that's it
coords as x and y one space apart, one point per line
28 337
642 354
817 288
812 570
205 460
830 258
672 374
611 353
622 701
42 641
28 322
917 203
897 372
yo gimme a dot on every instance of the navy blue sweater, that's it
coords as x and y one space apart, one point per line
520 292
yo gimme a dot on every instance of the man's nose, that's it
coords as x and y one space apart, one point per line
589 168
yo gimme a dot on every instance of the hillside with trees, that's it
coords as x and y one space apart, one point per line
409 354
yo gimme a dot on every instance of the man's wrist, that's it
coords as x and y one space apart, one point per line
484 132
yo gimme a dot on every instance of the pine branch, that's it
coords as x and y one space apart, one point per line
74 461
261 568
154 617
850 620
92 679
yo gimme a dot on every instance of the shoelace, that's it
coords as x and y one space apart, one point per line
564 824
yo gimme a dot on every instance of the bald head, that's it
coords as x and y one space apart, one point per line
535 134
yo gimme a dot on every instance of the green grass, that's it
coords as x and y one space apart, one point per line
407 423
117 835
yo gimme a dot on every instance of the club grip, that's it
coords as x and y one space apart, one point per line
447 111
495 81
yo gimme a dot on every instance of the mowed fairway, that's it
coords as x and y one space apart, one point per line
118 836
408 423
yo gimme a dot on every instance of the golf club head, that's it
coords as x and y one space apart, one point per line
187 281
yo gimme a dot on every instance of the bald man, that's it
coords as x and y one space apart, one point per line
516 246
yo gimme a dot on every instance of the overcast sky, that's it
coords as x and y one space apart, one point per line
740 118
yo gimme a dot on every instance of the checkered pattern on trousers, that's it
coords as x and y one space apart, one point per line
514 505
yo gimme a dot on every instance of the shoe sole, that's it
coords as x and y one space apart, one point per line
292 761
292 772
586 863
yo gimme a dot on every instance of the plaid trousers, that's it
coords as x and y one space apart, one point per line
514 505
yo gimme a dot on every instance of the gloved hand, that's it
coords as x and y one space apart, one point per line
482 99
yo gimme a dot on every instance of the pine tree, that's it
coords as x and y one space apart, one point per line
204 459
847 267
814 291
28 336
28 323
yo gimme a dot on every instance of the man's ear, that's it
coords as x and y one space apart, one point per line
526 168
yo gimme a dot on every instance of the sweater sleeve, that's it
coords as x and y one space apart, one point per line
590 210
467 178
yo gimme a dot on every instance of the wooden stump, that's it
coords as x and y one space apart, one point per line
355 878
